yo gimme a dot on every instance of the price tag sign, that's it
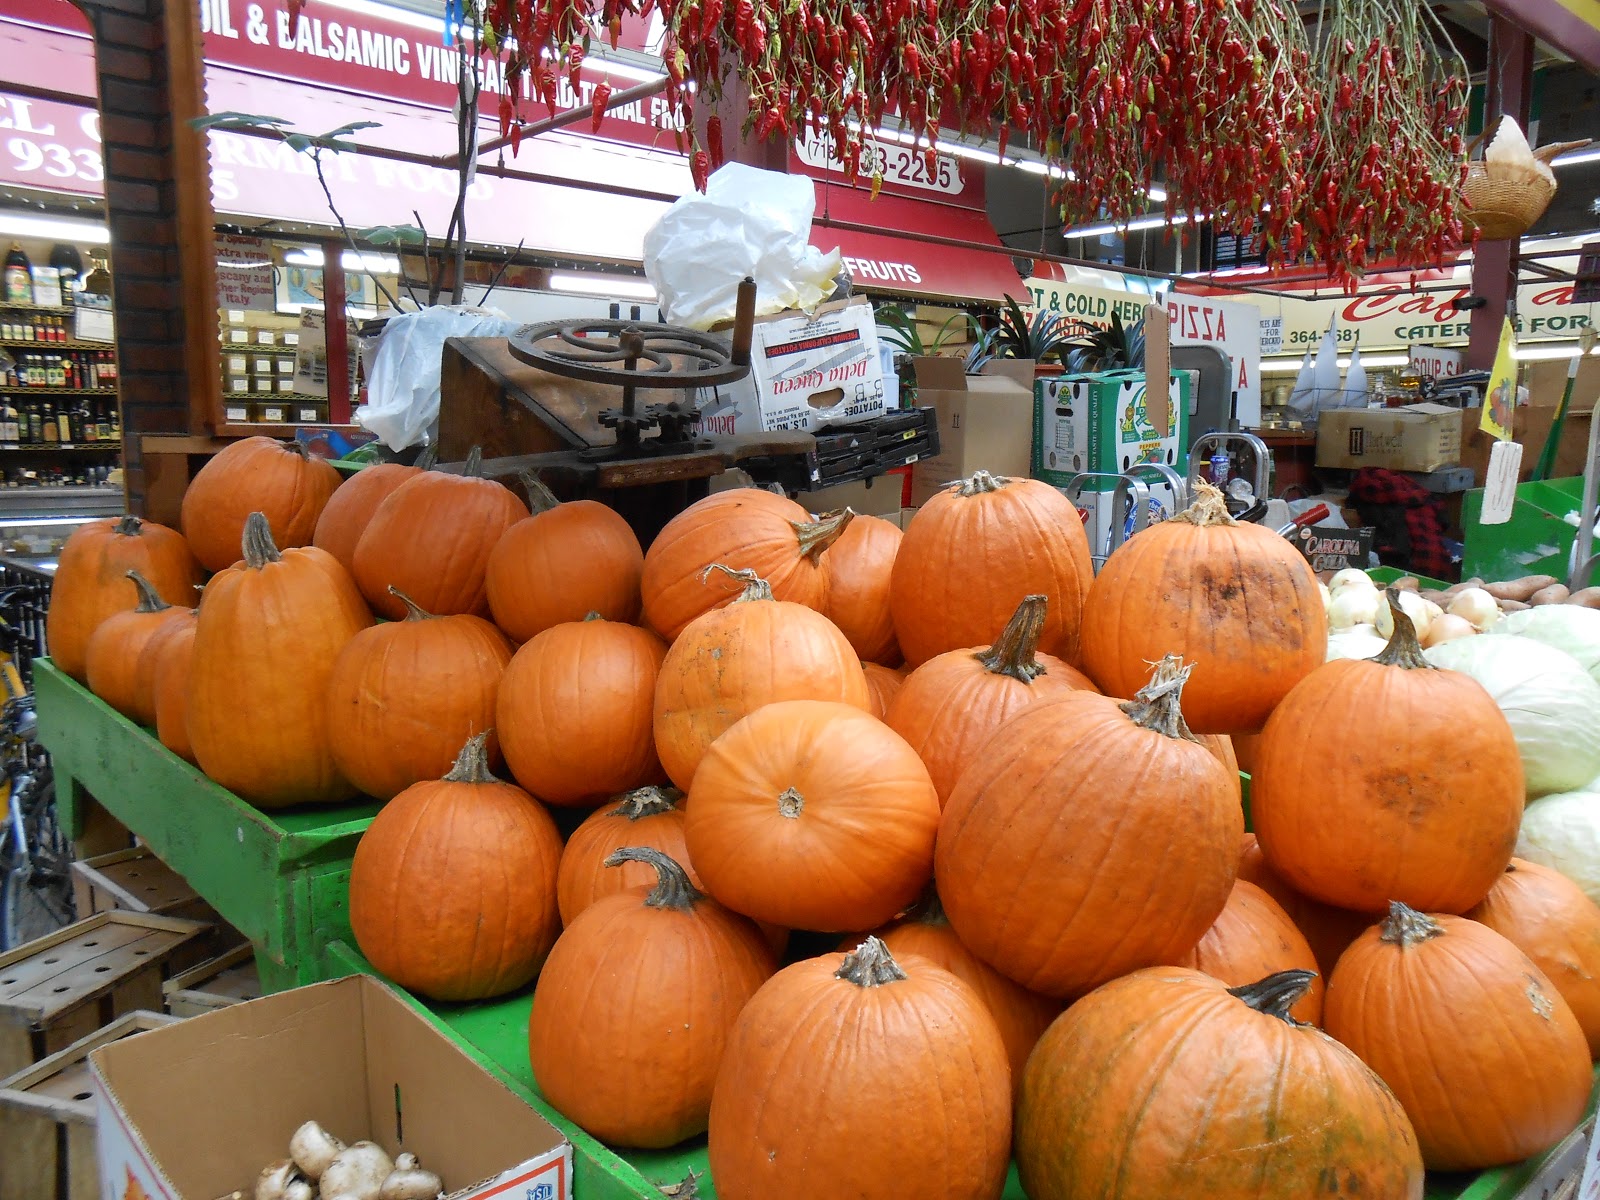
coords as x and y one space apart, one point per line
1589 1184
1500 482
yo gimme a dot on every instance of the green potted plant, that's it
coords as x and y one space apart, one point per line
1116 347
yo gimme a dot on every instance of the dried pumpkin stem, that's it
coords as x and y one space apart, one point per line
816 536
1013 653
643 802
258 546
295 446
870 965
979 482
428 458
755 587
128 526
150 600
790 803
1403 649
673 889
1210 507
473 469
1157 705
929 910
540 498
592 615
1276 994
1405 926
414 611
472 764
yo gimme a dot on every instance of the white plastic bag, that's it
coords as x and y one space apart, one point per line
748 222
403 377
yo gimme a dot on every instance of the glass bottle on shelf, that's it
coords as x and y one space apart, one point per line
98 281
64 257
52 429
64 421
18 276
9 426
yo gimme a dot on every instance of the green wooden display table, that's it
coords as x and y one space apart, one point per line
280 878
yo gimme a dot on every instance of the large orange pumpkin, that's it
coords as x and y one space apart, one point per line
91 580
1327 930
746 528
647 816
1088 838
111 660
636 1068
974 551
562 563
1253 938
1237 599
732 660
1379 812
156 650
453 885
813 815
899 1067
1020 1015
858 568
1168 1083
1488 1059
1547 916
432 538
280 480
269 631
173 666
349 510
951 704
575 711
405 695
883 684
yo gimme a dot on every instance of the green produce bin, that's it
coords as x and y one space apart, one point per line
1536 541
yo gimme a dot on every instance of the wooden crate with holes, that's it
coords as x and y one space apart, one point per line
47 1121
135 880
229 978
62 987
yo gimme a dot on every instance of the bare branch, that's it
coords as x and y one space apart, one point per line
316 162
493 283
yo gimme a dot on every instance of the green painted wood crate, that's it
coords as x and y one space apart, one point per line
1536 541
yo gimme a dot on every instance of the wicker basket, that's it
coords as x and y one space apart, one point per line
1505 206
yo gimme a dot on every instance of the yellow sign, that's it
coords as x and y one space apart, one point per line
1501 402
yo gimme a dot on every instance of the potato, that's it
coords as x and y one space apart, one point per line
1441 598
1407 583
1556 593
1511 605
1588 597
1519 589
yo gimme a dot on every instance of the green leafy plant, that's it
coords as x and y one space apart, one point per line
1114 347
901 329
1038 337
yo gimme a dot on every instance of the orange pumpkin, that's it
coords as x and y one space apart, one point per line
647 816
1477 1043
575 709
404 696
974 551
1547 916
111 660
562 563
747 528
1328 930
1253 938
901 1067
857 569
173 667
953 703
1167 1083
1378 813
640 1073
732 660
91 581
1244 749
432 538
349 510
1237 599
1088 838
812 815
883 684
156 649
1020 1015
269 631
453 885
280 480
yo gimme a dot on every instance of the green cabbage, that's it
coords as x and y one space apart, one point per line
1563 832
1568 627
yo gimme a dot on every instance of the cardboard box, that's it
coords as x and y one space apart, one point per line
1098 423
877 497
903 518
984 422
1418 437
195 1110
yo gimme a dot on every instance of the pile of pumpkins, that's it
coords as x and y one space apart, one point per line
774 721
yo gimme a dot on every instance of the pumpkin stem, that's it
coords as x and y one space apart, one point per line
428 458
1403 649
755 587
790 803
870 965
472 764
592 615
474 464
150 600
929 910
1405 926
128 526
646 802
259 548
688 1189
979 482
673 889
817 536
1210 507
1276 994
540 498
295 446
1013 651
414 611
1156 706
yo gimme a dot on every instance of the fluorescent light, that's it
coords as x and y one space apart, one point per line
975 153
386 264
1288 366
1537 353
390 12
1573 158
1156 193
623 69
55 229
603 285
1153 221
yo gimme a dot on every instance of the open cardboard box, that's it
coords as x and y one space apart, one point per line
985 421
194 1111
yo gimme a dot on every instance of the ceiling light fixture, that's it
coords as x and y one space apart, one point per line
608 286
55 229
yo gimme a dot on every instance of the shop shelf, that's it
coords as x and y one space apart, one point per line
24 344
280 878
46 390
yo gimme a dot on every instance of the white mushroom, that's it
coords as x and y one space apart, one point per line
411 1184
312 1147
356 1172
275 1181
406 1161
